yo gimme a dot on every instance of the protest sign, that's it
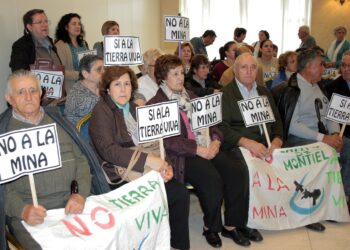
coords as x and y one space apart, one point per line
29 151
122 50
339 110
158 121
206 111
52 81
86 52
134 216
330 73
177 28
300 186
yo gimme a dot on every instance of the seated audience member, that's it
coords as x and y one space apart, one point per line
267 61
198 80
275 50
69 42
239 35
147 85
227 58
263 35
307 41
199 43
35 43
108 28
337 48
303 123
287 66
85 93
113 131
53 187
341 85
200 162
186 55
228 76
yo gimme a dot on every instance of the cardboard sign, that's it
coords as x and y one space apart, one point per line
300 186
339 109
256 111
122 50
206 111
52 81
177 28
158 121
134 216
31 150
86 52
330 73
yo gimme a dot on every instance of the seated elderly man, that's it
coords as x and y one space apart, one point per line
235 132
302 103
53 187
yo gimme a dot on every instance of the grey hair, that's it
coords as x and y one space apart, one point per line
306 56
18 74
148 57
86 63
340 27
241 57
346 53
305 28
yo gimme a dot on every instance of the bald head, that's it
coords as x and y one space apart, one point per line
245 69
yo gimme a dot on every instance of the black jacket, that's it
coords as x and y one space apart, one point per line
192 85
23 53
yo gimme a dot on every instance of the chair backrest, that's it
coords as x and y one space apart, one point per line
83 127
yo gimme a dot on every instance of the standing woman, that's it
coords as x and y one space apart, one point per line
69 42
227 57
186 55
267 61
263 35
108 28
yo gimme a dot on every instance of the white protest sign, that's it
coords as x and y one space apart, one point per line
339 109
298 186
330 73
177 28
206 111
52 81
158 121
256 110
134 216
122 50
86 52
26 151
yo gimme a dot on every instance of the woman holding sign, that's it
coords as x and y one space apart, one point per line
199 161
113 131
70 42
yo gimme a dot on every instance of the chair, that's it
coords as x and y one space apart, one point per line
83 127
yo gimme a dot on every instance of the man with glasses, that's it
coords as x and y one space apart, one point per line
35 43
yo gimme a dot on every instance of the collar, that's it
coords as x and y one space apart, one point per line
25 120
244 90
125 108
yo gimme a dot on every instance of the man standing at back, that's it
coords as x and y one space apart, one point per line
35 43
199 43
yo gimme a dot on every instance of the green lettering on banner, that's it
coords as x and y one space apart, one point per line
340 201
153 215
334 177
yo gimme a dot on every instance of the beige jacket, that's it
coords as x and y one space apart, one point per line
228 76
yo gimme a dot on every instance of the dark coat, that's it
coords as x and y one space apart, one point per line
179 147
192 85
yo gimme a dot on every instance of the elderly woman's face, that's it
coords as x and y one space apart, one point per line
95 73
340 34
120 89
186 54
175 78
114 30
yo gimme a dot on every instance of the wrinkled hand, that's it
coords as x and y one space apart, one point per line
75 204
256 149
161 166
167 173
275 144
334 141
215 147
33 215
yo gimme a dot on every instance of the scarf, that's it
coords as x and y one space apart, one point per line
333 50
131 124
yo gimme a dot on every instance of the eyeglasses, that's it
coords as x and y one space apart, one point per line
42 22
344 65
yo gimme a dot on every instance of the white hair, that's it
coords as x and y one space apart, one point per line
18 74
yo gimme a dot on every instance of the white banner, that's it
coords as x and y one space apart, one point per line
339 109
177 28
158 121
122 50
52 81
134 216
206 111
31 150
299 186
86 52
256 110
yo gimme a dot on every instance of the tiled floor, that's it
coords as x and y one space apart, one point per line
335 237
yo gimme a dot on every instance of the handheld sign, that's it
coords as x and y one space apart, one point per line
330 73
52 81
122 50
339 110
158 121
177 28
206 111
26 151
257 111
86 52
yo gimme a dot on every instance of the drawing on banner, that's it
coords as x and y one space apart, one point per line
122 50
206 111
158 121
51 81
256 110
86 52
177 28
29 151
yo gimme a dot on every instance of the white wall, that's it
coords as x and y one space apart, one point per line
135 17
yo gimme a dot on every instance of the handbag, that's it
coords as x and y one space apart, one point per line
115 175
